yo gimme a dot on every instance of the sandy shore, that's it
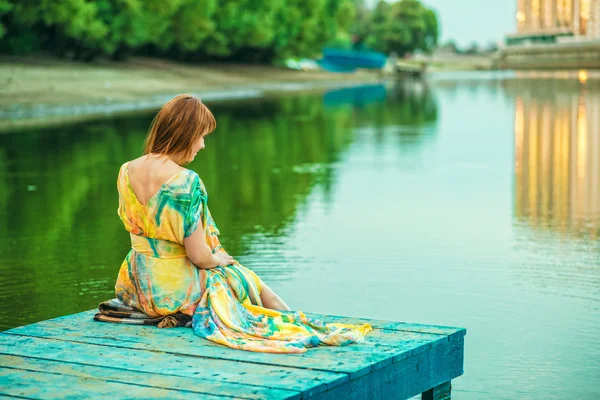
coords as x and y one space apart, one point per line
45 87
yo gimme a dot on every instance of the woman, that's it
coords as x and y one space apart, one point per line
177 270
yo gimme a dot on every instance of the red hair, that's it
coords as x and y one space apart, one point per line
178 124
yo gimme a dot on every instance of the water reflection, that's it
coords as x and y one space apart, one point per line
557 159
406 121
557 187
356 95
62 242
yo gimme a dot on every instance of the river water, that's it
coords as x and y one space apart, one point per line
473 201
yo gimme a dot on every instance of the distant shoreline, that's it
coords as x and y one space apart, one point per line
45 91
56 114
38 91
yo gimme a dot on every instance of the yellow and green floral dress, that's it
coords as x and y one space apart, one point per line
224 303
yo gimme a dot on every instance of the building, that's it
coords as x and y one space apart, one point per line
551 21
553 34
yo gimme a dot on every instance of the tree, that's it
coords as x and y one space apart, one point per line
432 33
190 25
473 48
240 24
305 26
5 7
240 30
69 25
402 27
133 23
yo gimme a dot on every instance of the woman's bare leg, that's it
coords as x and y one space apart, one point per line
270 299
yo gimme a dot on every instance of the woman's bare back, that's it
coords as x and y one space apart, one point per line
147 174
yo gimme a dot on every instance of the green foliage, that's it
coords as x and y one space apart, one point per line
133 23
72 24
241 30
242 23
234 29
190 26
401 27
5 7
432 33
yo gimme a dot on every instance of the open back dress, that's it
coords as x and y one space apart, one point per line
224 303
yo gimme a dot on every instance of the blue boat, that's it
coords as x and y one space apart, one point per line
336 60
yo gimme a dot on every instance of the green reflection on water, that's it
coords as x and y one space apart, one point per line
62 242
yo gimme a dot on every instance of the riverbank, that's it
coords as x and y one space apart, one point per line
46 88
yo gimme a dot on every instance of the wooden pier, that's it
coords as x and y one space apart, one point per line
74 356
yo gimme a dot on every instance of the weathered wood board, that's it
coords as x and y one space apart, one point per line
74 356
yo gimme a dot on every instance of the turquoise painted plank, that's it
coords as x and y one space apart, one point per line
82 325
157 362
193 386
365 360
381 348
380 324
348 362
397 326
406 379
41 385
384 341
76 323
452 332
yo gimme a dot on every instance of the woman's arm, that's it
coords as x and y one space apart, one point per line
200 253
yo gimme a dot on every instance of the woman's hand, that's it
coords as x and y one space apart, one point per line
223 258
201 254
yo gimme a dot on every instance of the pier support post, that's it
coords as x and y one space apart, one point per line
440 392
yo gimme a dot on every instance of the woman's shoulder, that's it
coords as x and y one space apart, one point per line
123 166
185 181
194 180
